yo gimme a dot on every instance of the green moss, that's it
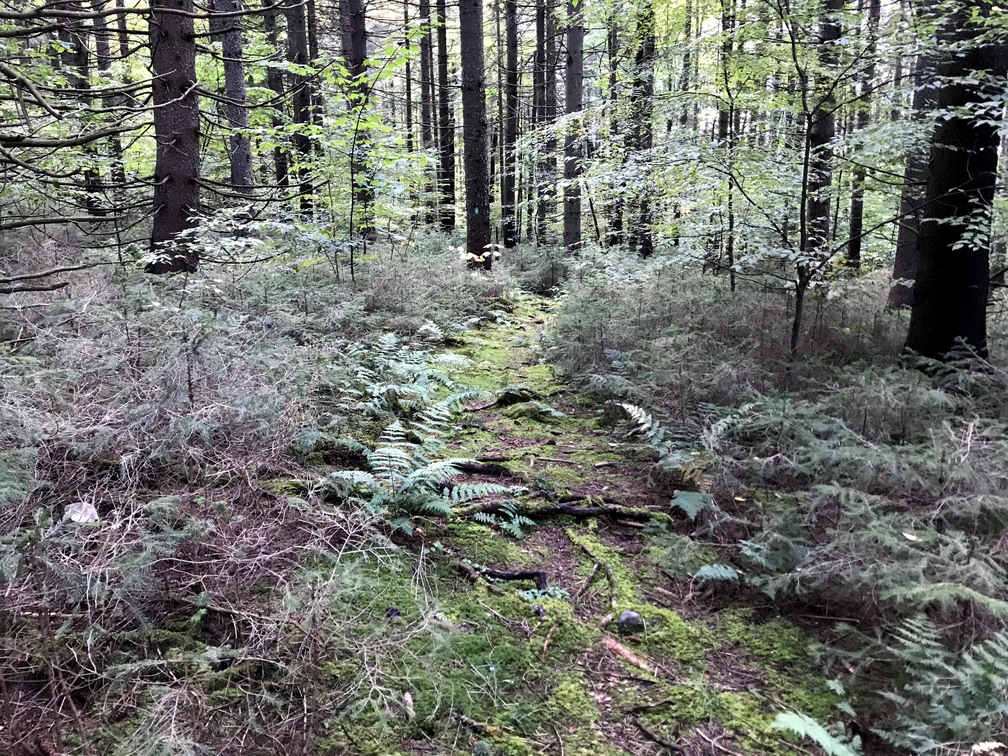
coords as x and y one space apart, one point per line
670 636
569 701
776 642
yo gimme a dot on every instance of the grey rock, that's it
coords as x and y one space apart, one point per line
630 623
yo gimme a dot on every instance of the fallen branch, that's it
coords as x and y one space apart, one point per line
622 651
474 574
648 706
588 581
482 728
33 287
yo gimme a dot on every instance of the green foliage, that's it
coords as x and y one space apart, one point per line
805 727
949 698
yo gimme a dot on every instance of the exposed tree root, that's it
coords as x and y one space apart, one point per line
561 509
474 574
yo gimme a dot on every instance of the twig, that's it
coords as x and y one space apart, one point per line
586 584
655 738
647 706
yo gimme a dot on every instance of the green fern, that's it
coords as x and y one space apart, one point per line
949 699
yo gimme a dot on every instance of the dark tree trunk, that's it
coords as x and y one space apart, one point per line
274 80
103 59
297 53
821 130
509 170
684 74
547 165
643 111
176 131
614 229
75 59
861 118
314 95
228 29
474 135
354 25
409 79
572 140
950 293
447 127
925 96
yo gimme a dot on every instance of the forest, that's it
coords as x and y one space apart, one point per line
503 378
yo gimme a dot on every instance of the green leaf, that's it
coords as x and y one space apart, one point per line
806 727
691 503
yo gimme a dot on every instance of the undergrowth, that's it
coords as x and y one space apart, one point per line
171 579
853 479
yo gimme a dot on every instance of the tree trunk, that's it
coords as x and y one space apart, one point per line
297 53
643 111
447 140
950 294
684 74
228 29
274 80
572 140
547 165
354 26
409 78
474 135
103 59
509 170
75 59
821 128
176 131
925 96
866 84
614 227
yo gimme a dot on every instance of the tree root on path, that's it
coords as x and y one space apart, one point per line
474 574
674 747
561 509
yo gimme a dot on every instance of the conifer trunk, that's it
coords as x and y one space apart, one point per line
176 131
474 135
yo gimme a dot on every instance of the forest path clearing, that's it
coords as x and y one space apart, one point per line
545 665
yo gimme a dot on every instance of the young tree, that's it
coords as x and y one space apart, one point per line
474 134
951 290
176 131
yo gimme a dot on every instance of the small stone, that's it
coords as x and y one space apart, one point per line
392 614
538 611
630 623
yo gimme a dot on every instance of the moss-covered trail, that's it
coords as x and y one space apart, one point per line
520 670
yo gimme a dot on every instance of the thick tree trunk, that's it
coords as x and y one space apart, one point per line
447 127
176 131
572 140
951 290
474 135
297 53
228 29
866 84
509 170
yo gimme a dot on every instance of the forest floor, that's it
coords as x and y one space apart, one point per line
542 664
